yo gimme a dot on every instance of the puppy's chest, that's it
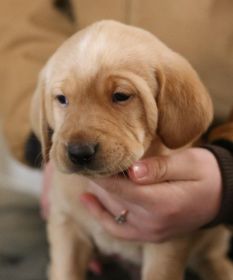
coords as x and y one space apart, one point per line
65 198
112 246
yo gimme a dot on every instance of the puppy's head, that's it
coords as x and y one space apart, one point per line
108 92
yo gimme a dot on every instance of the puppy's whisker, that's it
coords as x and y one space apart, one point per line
128 162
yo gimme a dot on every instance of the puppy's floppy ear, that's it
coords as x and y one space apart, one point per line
39 119
184 106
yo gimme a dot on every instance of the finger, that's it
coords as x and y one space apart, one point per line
123 188
114 204
113 207
183 165
124 231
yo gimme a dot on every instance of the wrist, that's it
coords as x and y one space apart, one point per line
225 163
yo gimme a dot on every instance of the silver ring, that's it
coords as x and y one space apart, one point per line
122 218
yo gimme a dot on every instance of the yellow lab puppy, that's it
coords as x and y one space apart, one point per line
110 95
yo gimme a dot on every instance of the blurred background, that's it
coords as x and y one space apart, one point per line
202 31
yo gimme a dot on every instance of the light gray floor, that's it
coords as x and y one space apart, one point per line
23 248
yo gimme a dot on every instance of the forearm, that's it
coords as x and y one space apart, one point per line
221 145
224 157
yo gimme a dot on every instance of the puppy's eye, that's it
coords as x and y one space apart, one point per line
62 99
120 97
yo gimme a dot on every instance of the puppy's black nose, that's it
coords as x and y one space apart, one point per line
82 154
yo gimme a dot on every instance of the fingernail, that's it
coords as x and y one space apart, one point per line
140 170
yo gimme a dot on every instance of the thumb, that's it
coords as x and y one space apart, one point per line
149 170
175 167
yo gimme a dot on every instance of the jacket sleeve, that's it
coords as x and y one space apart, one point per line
221 145
30 32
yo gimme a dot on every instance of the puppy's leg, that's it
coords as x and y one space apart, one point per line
210 259
165 261
69 251
216 269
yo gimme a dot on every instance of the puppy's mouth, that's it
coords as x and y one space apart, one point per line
123 174
96 169
98 173
89 160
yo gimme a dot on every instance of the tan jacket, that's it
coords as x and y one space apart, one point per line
31 30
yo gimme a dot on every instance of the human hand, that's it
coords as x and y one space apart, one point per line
178 194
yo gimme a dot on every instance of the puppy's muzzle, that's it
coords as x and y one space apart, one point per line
82 154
